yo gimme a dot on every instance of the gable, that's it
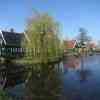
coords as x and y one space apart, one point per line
12 38
70 43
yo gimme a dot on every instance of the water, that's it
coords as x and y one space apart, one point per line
81 84
76 82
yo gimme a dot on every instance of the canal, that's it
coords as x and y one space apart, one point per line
76 81
81 83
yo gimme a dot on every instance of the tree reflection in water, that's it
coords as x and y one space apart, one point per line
75 63
43 83
83 74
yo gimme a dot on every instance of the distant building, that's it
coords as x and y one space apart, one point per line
92 45
10 48
10 41
72 46
69 45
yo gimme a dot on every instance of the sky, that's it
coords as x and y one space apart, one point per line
70 14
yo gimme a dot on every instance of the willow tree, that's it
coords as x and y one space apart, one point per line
42 32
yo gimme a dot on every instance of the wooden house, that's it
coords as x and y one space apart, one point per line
10 44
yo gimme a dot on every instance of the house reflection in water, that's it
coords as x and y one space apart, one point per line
74 64
71 62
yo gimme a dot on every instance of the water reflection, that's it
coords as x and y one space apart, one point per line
77 64
11 74
84 75
82 82
43 83
31 81
77 83
71 62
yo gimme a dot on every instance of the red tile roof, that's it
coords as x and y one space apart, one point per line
70 43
